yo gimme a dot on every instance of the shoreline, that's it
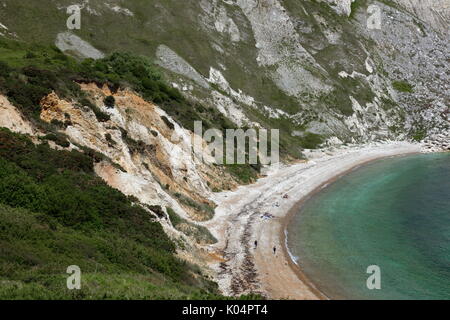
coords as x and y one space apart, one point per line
258 212
297 207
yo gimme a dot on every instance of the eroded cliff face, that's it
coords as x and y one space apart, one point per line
153 150
145 154
12 119
304 67
345 78
434 12
341 6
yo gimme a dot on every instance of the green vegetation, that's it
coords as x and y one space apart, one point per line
66 215
36 252
242 173
199 233
110 102
25 81
388 104
402 86
356 6
339 100
419 134
311 140
110 140
57 138
203 208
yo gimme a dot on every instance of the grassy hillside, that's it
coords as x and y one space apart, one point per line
170 22
177 25
198 32
28 72
55 212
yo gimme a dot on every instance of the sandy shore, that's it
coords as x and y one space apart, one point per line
260 213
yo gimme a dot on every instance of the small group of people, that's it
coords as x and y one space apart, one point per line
274 248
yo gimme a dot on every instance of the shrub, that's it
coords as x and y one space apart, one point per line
63 186
204 208
311 140
110 102
99 114
168 122
57 138
110 139
30 55
199 233
402 86
419 134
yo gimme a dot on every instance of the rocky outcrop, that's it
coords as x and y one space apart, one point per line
159 167
341 6
300 63
348 96
143 156
279 47
170 60
438 142
436 13
147 155
12 119
73 45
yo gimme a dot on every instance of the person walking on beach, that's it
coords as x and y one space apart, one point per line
256 244
274 250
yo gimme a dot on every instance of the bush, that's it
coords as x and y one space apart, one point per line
199 233
30 55
204 208
168 122
419 134
59 139
99 114
311 140
110 139
63 186
402 86
110 102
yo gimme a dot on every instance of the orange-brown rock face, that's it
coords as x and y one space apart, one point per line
159 166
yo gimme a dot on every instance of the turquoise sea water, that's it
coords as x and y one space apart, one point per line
393 213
